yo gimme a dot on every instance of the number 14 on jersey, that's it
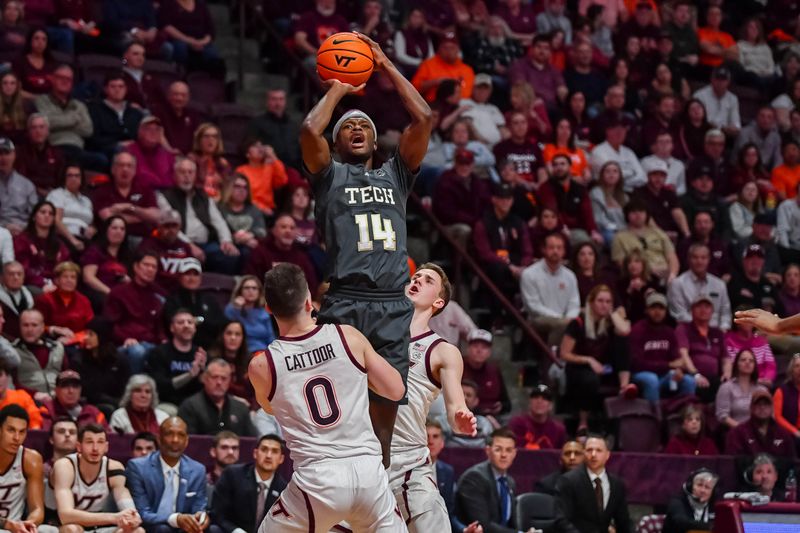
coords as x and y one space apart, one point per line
382 230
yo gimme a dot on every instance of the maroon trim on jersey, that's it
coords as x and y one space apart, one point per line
312 526
301 337
341 528
421 336
78 468
428 369
404 486
347 349
268 356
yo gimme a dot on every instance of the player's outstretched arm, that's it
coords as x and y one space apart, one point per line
384 380
768 322
261 378
34 475
313 145
451 369
414 141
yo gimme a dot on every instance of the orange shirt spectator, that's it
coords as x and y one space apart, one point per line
576 155
445 64
716 46
24 400
786 177
778 400
266 173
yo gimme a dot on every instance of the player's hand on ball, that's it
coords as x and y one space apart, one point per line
466 423
378 56
334 84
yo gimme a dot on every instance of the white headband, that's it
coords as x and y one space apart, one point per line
353 113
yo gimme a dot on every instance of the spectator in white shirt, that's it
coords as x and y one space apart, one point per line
489 122
676 170
550 291
74 212
697 281
722 106
788 230
613 150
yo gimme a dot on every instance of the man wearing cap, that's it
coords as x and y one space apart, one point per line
536 429
154 163
520 150
722 106
701 196
760 434
478 368
613 149
171 251
37 159
203 306
17 193
696 281
656 363
702 349
642 236
713 162
502 242
487 119
643 24
460 197
788 230
535 68
763 132
445 64
750 287
703 232
762 234
67 402
114 119
659 195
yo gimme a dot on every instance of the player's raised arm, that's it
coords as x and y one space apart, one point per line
384 379
313 145
768 322
414 141
261 377
451 370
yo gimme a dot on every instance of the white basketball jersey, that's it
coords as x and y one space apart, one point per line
410 439
13 489
319 396
90 496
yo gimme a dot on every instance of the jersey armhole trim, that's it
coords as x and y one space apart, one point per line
353 359
273 385
428 369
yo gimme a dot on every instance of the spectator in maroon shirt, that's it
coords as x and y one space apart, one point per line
66 311
35 64
66 401
656 362
662 121
662 202
571 200
126 198
77 17
460 197
154 163
536 429
478 368
590 271
135 309
520 150
760 434
315 26
37 159
190 29
171 251
536 69
144 90
105 262
691 440
280 247
702 349
38 247
178 120
521 19
703 232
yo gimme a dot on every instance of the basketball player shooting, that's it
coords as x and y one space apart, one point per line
361 211
314 380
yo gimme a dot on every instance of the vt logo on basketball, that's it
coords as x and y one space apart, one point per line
344 61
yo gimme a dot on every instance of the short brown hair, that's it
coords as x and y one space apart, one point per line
286 289
501 433
224 435
447 289
66 266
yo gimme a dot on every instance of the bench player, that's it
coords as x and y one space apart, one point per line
314 379
83 482
361 211
22 480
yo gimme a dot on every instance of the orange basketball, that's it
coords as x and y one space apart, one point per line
345 57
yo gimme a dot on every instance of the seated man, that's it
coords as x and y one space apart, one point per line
685 289
82 505
277 128
460 197
536 429
67 402
203 226
613 149
143 443
14 298
37 159
281 246
154 163
134 21
446 63
314 26
169 487
478 368
178 120
763 132
572 456
762 476
787 230
135 310
171 251
521 150
702 349
716 46
720 263
176 365
114 119
188 296
786 177
41 359
225 452
750 287
17 193
143 89
703 196
660 200
760 434
484 425
214 409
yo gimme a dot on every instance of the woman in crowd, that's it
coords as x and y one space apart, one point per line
245 219
300 207
105 263
138 409
213 170
635 284
578 116
594 346
74 213
103 371
38 247
787 399
755 56
66 311
692 129
693 508
564 144
742 212
13 30
247 306
35 64
524 100
13 116
190 29
412 44
733 397
788 303
620 74
546 224
231 345
744 337
665 82
589 271
691 440
608 201
446 102
750 168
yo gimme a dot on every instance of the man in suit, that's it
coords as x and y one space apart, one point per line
571 458
245 492
169 488
588 498
485 492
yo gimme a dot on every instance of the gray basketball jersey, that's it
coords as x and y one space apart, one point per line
90 496
13 489
362 215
